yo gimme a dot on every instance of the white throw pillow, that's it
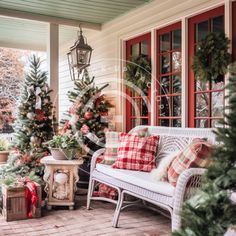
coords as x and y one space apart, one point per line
160 173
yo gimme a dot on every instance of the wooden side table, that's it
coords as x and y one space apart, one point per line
61 177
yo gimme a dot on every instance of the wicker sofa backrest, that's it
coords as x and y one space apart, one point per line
174 139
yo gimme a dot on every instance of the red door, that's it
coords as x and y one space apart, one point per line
206 99
137 105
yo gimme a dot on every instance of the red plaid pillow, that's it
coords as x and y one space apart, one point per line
136 153
107 192
195 155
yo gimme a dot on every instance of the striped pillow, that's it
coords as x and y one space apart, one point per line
194 155
112 141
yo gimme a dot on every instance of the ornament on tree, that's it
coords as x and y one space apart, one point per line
30 115
88 115
40 116
84 129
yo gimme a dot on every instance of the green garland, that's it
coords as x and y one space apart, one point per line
139 72
211 59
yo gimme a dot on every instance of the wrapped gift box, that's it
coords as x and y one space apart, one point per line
14 203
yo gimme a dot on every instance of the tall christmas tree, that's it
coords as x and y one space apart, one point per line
87 116
33 125
213 210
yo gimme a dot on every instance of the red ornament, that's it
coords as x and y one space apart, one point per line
88 115
40 116
104 113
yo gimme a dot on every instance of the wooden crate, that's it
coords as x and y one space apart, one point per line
14 203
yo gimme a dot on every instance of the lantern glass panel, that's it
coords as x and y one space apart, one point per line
82 57
74 58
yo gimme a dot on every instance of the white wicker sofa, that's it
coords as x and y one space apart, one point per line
141 185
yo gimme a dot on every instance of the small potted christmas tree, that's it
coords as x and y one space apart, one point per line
4 150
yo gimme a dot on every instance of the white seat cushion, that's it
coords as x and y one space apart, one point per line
138 178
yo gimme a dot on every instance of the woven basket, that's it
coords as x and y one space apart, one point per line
58 154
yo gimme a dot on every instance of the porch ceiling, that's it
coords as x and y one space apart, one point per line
15 32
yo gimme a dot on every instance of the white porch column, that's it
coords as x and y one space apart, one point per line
53 64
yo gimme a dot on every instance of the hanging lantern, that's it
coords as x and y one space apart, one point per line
79 56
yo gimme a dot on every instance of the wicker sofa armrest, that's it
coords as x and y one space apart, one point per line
188 183
94 158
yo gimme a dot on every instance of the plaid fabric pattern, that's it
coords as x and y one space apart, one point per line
107 192
112 140
136 153
195 155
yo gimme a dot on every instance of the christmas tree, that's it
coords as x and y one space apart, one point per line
33 125
212 211
87 116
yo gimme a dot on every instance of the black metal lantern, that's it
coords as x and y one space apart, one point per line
79 56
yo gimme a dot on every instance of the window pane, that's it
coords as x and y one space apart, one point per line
165 64
201 123
217 104
217 24
165 85
176 80
144 108
176 123
164 107
144 47
164 122
216 123
202 105
176 39
165 42
135 122
218 85
144 122
201 30
201 86
135 107
177 106
176 61
135 50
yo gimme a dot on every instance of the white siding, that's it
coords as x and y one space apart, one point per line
107 44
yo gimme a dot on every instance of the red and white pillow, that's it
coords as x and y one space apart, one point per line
196 154
136 153
112 142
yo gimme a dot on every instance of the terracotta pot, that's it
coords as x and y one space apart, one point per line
3 156
57 154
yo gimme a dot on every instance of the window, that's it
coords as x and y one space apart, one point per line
206 99
137 110
169 76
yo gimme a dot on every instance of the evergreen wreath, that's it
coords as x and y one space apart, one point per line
139 72
211 59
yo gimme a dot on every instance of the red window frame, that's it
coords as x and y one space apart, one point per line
169 29
191 39
234 31
129 116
